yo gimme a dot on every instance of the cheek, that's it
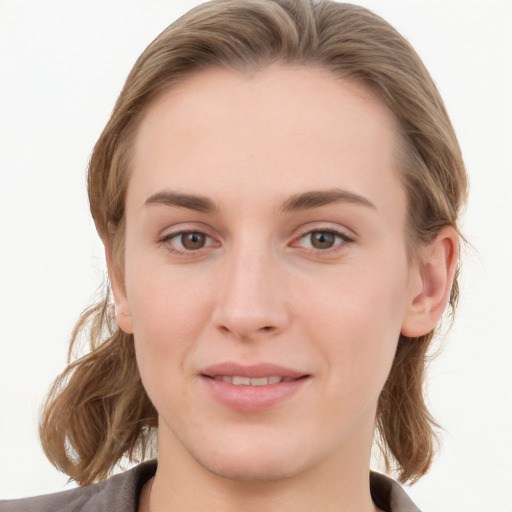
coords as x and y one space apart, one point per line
167 316
356 321
164 304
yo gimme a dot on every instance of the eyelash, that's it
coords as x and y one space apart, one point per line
342 240
166 240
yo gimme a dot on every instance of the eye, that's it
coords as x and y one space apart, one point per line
192 241
322 240
187 241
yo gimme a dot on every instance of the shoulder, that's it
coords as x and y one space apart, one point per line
389 495
119 493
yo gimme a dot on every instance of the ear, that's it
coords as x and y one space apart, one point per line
122 309
433 279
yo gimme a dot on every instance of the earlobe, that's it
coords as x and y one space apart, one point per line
122 309
436 271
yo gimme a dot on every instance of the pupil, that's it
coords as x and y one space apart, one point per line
322 240
193 240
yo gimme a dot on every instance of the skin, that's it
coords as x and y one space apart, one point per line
258 290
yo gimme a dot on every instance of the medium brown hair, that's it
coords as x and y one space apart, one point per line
98 411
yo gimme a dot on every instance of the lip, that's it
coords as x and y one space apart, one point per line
254 371
252 398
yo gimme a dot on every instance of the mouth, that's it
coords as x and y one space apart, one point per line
261 374
252 388
239 380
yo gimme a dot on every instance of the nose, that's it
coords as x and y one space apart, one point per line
251 299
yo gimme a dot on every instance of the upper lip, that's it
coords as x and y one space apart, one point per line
253 371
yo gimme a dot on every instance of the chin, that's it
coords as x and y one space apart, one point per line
251 469
258 455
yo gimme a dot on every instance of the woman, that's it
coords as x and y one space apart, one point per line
277 191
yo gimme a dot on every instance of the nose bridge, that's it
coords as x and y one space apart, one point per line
250 301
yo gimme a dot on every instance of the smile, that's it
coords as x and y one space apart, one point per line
238 380
252 388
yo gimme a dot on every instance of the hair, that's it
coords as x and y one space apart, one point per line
97 410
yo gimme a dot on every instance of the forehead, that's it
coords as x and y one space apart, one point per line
279 125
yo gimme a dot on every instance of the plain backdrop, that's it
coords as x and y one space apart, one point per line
62 65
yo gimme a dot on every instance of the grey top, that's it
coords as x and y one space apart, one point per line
120 493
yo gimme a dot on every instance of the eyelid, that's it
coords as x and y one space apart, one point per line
177 231
344 234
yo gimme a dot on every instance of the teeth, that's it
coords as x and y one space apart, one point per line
263 381
247 381
241 381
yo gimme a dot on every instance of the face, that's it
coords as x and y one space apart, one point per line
266 278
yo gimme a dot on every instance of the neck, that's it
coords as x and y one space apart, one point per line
183 484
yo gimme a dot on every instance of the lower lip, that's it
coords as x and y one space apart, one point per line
252 398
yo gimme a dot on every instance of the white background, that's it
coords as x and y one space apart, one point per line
62 65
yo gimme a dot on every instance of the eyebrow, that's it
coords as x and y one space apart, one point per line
189 201
319 198
302 201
